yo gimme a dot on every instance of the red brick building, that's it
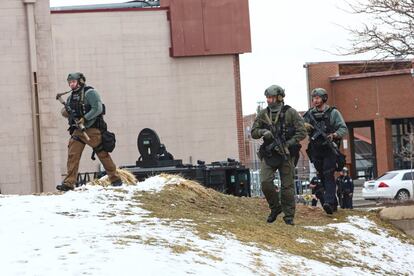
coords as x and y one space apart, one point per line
376 99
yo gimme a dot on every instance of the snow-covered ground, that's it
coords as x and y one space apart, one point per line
101 231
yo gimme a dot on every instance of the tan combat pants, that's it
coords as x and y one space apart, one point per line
75 149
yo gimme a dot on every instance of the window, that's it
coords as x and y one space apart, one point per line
401 129
387 176
408 176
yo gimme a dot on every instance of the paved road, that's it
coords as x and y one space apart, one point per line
359 201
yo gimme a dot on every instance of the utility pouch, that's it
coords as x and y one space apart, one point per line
107 144
271 157
295 152
108 141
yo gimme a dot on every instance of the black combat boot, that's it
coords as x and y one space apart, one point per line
289 221
328 208
272 216
117 183
64 188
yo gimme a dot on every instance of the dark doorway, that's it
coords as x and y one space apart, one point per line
401 131
362 142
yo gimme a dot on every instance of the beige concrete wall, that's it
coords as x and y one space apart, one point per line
190 102
17 164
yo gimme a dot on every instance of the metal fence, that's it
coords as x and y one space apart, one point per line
86 177
303 173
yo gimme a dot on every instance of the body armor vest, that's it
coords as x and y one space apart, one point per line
324 123
285 132
77 103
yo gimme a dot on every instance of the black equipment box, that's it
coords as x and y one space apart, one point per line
229 177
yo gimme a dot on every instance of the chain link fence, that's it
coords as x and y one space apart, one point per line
303 173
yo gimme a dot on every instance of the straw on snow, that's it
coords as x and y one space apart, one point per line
126 177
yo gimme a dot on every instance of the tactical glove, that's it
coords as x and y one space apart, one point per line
332 136
267 134
281 151
308 127
81 121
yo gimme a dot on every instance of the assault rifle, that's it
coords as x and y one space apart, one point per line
71 114
318 132
278 144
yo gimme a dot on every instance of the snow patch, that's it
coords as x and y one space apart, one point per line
300 240
98 230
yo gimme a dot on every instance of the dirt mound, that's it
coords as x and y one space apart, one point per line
211 212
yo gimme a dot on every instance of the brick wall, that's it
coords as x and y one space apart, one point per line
239 111
374 96
318 76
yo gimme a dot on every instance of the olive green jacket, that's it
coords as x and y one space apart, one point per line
292 119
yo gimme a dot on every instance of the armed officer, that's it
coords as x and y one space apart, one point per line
282 128
87 110
346 186
316 186
326 128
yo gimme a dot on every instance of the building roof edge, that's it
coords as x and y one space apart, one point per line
372 74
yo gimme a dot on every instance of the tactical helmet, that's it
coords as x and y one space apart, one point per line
77 76
274 90
321 93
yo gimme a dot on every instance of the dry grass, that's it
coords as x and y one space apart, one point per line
126 177
245 218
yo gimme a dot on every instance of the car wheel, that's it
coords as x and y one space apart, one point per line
402 195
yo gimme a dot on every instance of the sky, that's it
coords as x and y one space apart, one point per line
105 231
285 35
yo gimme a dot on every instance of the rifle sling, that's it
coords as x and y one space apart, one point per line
269 121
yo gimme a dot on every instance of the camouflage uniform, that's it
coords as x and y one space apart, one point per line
292 120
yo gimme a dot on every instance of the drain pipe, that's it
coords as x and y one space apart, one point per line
30 18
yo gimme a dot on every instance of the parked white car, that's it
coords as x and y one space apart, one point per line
391 185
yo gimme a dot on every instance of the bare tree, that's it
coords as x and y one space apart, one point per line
388 30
